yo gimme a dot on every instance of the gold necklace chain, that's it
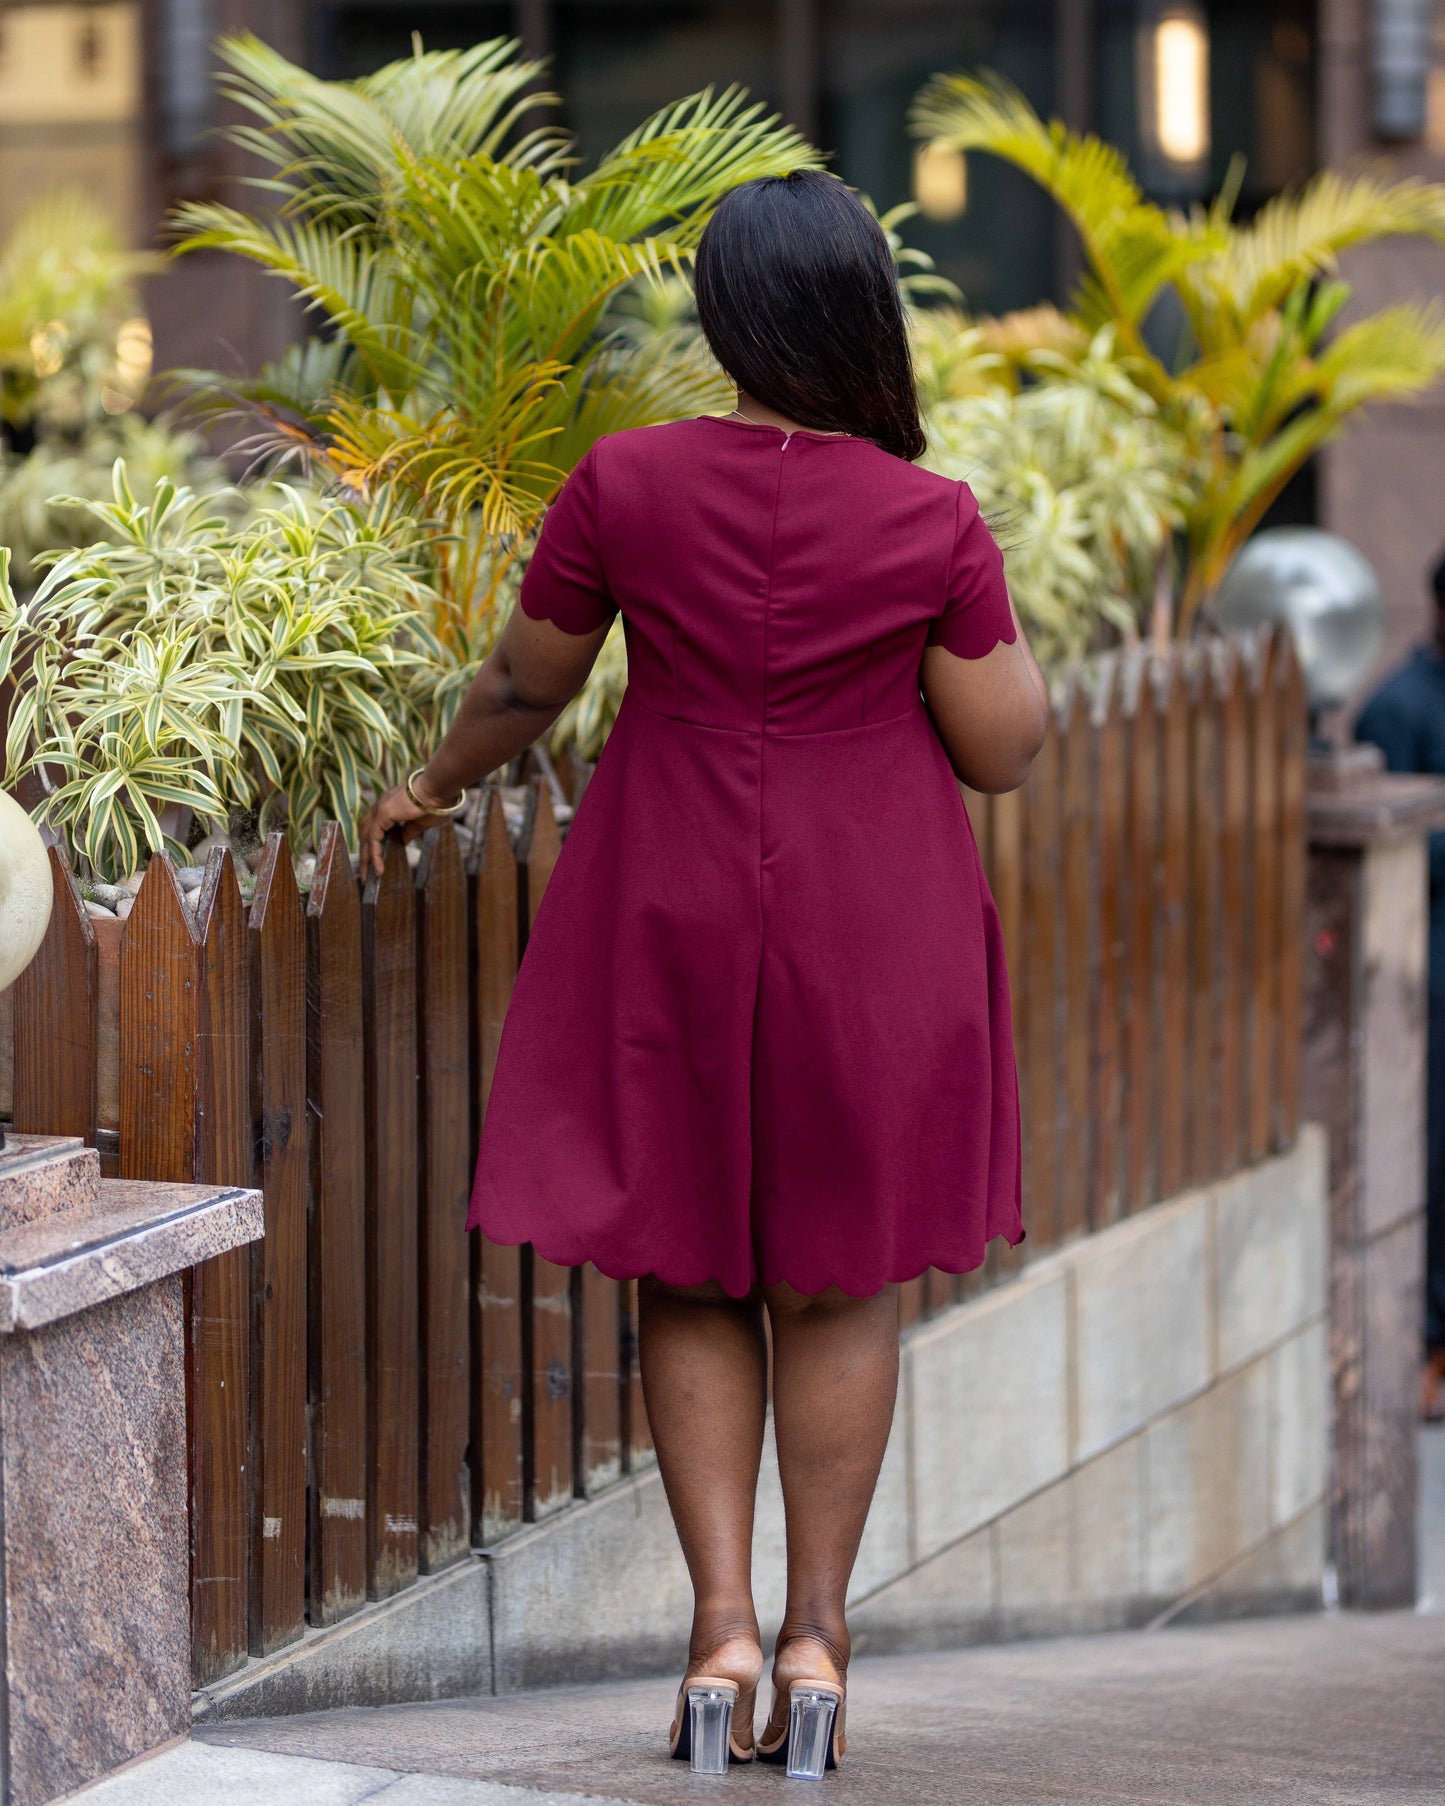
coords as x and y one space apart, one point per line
826 432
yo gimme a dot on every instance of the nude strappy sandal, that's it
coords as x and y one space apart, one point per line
710 1711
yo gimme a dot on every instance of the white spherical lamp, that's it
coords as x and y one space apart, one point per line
1322 589
25 890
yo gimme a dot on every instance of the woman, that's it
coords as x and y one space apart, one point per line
758 1056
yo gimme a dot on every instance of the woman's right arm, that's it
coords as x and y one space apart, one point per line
991 713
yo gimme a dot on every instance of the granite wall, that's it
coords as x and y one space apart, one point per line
1133 1430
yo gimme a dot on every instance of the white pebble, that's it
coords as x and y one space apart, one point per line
98 910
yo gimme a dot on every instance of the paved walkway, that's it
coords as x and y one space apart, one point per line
1329 1709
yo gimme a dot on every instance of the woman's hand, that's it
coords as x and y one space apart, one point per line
394 810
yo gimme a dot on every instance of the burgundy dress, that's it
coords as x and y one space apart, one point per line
761 1029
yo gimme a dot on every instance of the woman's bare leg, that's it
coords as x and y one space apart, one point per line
835 1378
704 1377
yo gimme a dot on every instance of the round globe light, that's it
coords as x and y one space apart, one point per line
1323 590
25 890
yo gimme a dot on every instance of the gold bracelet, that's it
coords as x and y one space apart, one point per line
427 808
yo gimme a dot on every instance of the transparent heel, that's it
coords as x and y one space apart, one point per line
710 1712
810 1732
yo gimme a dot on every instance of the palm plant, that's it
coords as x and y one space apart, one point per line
462 271
191 665
1260 356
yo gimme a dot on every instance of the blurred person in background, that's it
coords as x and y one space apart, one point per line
1405 718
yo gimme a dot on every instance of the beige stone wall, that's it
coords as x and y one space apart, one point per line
1133 1430
1136 1430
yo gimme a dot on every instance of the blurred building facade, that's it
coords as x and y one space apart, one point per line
117 97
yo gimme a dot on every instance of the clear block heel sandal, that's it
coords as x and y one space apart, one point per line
812 1742
702 1727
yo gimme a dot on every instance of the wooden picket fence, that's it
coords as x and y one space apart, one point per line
370 1396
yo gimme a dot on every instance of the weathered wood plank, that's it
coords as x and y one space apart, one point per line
1077 829
54 1014
637 1451
1172 917
446 1084
597 1359
388 963
1203 1080
1109 952
336 1318
1294 735
1141 840
1264 976
160 1029
184 1116
552 1395
1005 872
1036 976
496 1274
1234 867
277 944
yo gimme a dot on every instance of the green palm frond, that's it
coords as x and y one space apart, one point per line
334 146
1392 355
362 295
1295 237
1132 247
665 177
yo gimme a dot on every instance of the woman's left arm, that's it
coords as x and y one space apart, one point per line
522 686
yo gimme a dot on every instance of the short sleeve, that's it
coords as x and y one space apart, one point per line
564 582
976 615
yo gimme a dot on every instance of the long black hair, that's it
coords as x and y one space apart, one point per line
798 297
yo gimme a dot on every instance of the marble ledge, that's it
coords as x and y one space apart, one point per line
41 1175
135 1233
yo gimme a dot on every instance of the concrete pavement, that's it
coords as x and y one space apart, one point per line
1320 1710
1326 1709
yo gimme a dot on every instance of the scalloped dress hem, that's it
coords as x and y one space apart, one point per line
625 1272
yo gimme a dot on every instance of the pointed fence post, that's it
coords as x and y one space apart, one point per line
336 1321
388 967
1110 951
499 1385
1077 828
1172 705
276 936
552 1395
446 1174
1036 974
1141 840
1234 866
185 1115
1264 1044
